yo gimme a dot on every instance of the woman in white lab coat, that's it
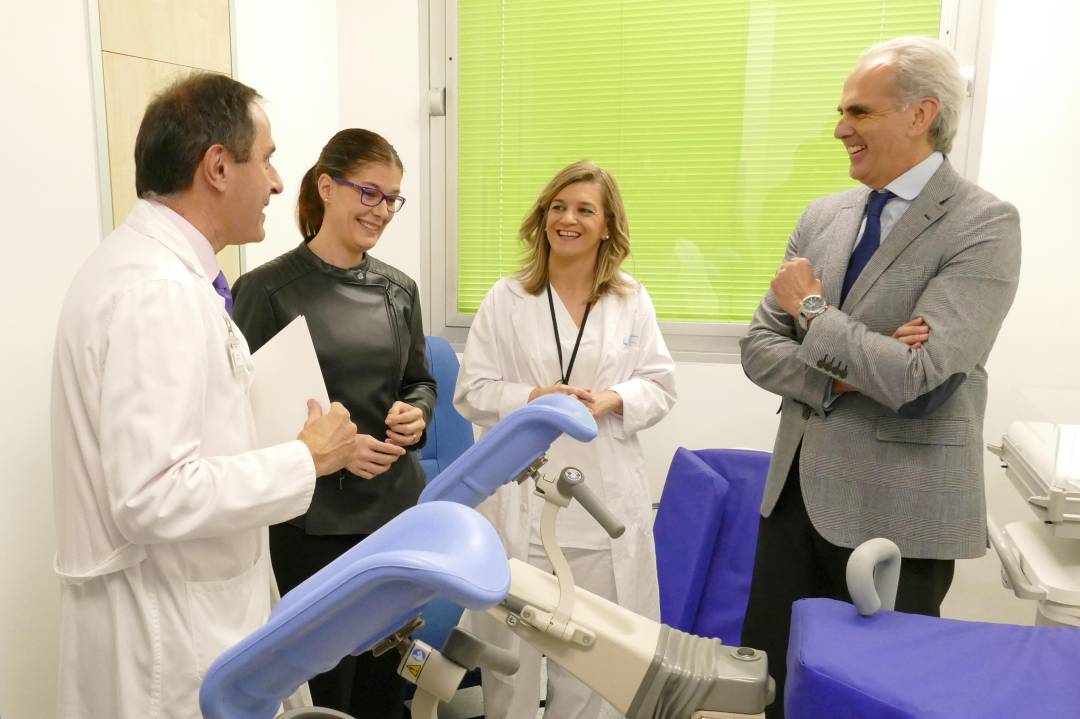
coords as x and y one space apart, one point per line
572 322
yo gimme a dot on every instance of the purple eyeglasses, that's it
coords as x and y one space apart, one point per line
372 196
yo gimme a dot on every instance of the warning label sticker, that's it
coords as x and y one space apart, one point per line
414 663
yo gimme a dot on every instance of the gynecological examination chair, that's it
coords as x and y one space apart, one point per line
372 595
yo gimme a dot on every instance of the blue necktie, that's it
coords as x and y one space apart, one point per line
221 285
870 241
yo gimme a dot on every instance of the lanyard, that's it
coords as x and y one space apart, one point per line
565 377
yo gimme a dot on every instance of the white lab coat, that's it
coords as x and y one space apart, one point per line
161 501
511 350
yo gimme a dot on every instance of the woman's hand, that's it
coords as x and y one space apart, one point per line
581 394
604 403
371 457
404 424
914 333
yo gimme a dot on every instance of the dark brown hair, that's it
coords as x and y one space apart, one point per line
346 151
182 122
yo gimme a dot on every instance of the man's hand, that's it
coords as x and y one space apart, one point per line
795 280
372 457
328 437
914 333
404 424
603 403
582 394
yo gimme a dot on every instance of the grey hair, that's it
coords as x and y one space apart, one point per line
925 68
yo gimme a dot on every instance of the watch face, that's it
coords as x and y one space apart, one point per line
812 304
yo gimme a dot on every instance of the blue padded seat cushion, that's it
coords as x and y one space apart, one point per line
902 666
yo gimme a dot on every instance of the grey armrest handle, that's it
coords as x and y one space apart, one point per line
572 483
873 572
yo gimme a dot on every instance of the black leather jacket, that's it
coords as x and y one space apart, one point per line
366 326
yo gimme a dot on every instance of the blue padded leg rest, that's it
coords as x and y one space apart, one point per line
375 588
905 666
511 446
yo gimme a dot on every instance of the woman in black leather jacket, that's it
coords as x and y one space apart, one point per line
364 318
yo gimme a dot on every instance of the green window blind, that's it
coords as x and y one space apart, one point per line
715 116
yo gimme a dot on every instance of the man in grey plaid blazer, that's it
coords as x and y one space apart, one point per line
876 331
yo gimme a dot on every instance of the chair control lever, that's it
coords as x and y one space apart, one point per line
572 483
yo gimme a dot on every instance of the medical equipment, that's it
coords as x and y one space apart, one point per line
642 668
856 661
1041 558
705 566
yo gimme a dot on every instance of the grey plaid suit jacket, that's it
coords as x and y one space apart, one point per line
902 456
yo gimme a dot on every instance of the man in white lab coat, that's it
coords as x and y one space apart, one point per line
161 499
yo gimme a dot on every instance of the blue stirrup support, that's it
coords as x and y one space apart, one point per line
372 590
511 446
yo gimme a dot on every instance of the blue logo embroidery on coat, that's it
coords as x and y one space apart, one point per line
631 341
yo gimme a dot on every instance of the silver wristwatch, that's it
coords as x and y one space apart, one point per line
810 307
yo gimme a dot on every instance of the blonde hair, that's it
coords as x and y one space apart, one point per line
612 251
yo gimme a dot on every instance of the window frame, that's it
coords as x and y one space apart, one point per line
966 27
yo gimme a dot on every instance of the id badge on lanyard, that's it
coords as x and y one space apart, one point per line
237 360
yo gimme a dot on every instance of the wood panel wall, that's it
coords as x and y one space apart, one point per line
145 45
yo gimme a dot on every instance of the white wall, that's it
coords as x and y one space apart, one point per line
717 407
288 51
49 201
380 70
1030 157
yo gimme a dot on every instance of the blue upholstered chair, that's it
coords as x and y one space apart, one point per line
449 434
706 534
